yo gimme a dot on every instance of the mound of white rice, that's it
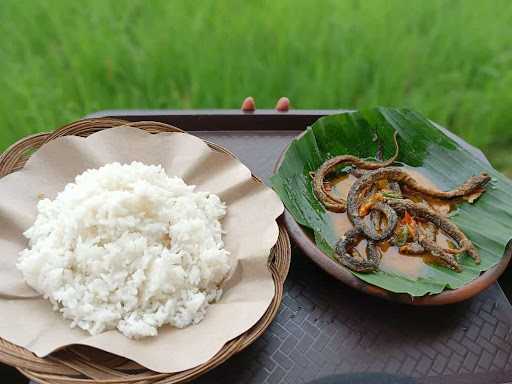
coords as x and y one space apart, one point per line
127 247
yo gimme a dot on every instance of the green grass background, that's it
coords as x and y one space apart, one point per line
450 60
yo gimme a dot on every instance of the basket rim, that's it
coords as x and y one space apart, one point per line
65 365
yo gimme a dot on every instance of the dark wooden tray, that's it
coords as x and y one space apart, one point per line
325 327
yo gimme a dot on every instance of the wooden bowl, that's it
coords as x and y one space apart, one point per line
80 364
303 238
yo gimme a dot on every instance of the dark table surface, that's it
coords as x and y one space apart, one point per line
325 328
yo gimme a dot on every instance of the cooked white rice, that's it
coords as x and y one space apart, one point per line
127 247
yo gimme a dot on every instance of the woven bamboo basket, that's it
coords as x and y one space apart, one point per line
80 364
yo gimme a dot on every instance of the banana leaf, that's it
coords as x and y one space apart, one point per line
430 150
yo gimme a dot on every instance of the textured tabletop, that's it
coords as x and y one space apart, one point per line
325 327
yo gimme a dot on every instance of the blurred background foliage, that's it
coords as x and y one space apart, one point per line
449 59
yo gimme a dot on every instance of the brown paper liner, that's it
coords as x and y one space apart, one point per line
27 320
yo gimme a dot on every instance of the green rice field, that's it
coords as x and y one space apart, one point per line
451 60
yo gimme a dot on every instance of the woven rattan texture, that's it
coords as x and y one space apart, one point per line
80 364
325 327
